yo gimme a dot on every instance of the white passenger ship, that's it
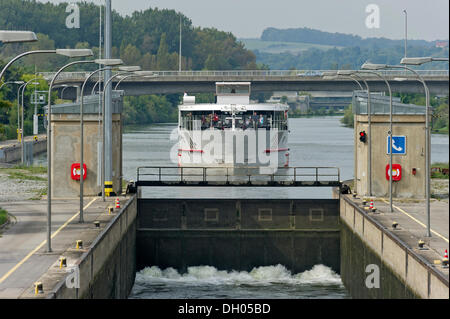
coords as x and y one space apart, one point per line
232 132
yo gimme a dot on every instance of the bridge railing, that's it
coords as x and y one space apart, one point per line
251 73
238 175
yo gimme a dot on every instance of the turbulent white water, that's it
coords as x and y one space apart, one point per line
261 282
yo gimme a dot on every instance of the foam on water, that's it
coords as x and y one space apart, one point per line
264 275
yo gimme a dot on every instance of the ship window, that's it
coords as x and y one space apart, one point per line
197 120
280 120
229 89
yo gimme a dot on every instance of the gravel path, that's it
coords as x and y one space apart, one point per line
20 189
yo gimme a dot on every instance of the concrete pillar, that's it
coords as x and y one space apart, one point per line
410 185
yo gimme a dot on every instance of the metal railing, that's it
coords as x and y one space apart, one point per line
283 176
380 105
251 73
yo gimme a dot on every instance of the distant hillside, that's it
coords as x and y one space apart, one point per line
280 46
306 35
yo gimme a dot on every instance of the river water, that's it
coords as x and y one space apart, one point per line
317 141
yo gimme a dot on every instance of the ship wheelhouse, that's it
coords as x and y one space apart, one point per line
234 120
232 111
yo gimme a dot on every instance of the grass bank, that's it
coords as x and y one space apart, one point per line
32 173
440 169
3 216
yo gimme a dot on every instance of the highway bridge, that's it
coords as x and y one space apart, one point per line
168 82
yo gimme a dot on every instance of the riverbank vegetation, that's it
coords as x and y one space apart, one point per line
148 38
439 170
3 216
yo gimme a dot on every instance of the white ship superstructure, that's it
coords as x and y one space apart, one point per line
232 132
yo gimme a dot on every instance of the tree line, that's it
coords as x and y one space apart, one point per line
148 38
348 58
307 35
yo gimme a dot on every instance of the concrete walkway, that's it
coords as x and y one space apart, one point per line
411 218
23 246
15 142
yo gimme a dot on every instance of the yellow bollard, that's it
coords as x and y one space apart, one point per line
421 243
110 210
62 262
108 188
79 244
38 288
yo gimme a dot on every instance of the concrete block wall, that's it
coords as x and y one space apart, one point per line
13 153
66 151
108 268
411 126
404 274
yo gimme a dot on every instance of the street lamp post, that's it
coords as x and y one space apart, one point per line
145 74
419 61
19 134
367 67
369 124
406 29
124 68
127 70
20 83
76 53
106 62
65 52
11 82
24 87
65 86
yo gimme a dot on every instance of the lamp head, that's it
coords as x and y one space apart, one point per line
330 77
145 73
109 62
373 66
130 68
346 72
415 61
17 36
75 53
329 73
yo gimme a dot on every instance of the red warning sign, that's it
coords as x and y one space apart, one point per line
396 172
75 171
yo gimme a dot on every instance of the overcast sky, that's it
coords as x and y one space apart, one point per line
428 20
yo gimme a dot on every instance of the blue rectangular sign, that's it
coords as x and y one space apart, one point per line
398 145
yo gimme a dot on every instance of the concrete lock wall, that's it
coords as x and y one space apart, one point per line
13 153
411 126
108 268
238 234
403 274
66 151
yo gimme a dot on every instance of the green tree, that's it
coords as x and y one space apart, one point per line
348 118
